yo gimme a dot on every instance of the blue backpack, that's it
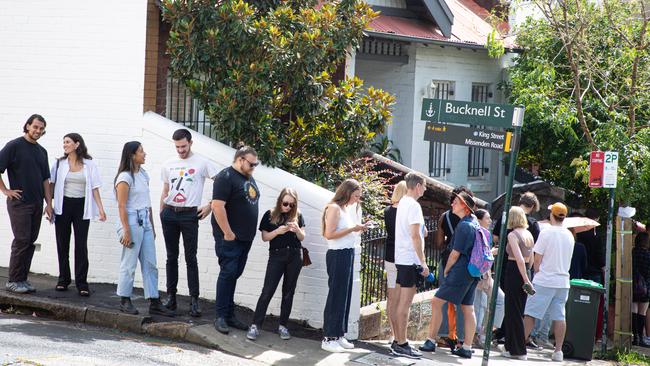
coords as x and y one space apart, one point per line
481 259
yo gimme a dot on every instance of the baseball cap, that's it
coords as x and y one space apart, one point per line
558 209
467 199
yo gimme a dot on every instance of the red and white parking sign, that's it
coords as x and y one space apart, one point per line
603 169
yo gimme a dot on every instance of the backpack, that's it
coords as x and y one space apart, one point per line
481 259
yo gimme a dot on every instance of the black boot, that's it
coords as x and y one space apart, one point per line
156 307
127 307
195 309
639 328
635 331
170 302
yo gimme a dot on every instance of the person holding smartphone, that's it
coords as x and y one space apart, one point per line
136 231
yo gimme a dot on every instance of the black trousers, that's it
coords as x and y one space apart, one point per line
72 218
340 267
25 221
287 263
515 303
173 225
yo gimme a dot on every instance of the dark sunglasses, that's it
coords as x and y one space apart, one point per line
253 165
288 204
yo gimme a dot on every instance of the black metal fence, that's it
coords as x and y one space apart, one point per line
373 276
184 109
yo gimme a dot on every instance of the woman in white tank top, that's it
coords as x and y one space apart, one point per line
342 228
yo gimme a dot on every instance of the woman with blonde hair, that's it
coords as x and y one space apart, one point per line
392 292
519 252
341 227
282 226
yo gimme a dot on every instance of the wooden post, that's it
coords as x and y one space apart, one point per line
622 321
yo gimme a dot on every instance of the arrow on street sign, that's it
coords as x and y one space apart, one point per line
474 137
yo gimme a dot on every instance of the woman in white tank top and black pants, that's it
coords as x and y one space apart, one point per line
341 227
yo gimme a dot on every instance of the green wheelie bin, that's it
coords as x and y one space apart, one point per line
581 317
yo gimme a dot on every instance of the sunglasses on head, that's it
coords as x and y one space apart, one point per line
288 204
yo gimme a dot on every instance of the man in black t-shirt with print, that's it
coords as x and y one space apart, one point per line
235 198
27 167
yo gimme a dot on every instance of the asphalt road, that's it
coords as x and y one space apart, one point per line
26 340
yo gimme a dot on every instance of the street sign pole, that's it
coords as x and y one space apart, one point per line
608 264
518 120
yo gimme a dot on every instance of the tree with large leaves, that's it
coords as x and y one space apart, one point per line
584 78
263 71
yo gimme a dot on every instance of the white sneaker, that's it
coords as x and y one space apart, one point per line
557 356
252 332
507 354
331 346
345 343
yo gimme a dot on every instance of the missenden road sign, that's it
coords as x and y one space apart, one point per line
475 137
471 113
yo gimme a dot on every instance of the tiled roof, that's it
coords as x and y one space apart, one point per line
469 28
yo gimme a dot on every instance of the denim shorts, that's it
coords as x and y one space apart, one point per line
548 299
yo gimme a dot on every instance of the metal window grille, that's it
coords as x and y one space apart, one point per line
476 156
182 108
438 150
373 46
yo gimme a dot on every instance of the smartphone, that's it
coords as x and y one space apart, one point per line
371 224
528 289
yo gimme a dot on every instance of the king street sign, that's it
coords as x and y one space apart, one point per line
474 137
470 113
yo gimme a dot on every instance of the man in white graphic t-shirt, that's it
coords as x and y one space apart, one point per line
180 211
409 258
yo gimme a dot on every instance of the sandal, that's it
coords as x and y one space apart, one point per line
84 293
61 288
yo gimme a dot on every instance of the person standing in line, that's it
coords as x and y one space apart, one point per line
235 199
180 211
136 231
409 259
641 280
342 226
553 251
27 167
595 248
392 290
459 286
75 181
519 252
283 226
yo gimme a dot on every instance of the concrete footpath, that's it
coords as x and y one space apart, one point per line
101 309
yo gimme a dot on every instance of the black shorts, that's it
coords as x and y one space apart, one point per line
407 275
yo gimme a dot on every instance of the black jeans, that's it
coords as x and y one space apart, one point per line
232 255
285 262
515 303
173 225
340 263
72 218
25 221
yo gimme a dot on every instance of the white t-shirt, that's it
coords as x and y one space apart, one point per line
409 212
185 178
138 189
555 243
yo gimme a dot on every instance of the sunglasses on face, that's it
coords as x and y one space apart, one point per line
253 165
288 204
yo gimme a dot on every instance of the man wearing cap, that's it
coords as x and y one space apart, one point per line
458 287
553 251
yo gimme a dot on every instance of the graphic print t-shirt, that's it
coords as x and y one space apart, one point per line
186 178
242 197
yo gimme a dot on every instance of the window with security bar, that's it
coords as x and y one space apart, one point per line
476 157
438 150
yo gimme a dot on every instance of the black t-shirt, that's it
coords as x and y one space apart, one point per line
27 168
449 222
242 197
595 251
390 213
533 227
286 240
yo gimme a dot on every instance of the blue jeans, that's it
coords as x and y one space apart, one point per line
143 249
340 267
232 255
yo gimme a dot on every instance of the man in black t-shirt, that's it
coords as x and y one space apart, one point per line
235 198
27 167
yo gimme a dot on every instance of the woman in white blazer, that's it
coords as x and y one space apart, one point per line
75 181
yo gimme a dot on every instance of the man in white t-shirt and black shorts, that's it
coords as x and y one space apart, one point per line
409 258
553 251
180 211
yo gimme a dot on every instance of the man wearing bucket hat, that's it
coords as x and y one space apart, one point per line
458 287
553 251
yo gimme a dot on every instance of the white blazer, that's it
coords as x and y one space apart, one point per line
93 180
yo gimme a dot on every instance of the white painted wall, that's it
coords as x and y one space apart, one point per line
80 64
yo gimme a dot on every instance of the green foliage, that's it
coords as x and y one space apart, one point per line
263 70
623 357
584 78
384 146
